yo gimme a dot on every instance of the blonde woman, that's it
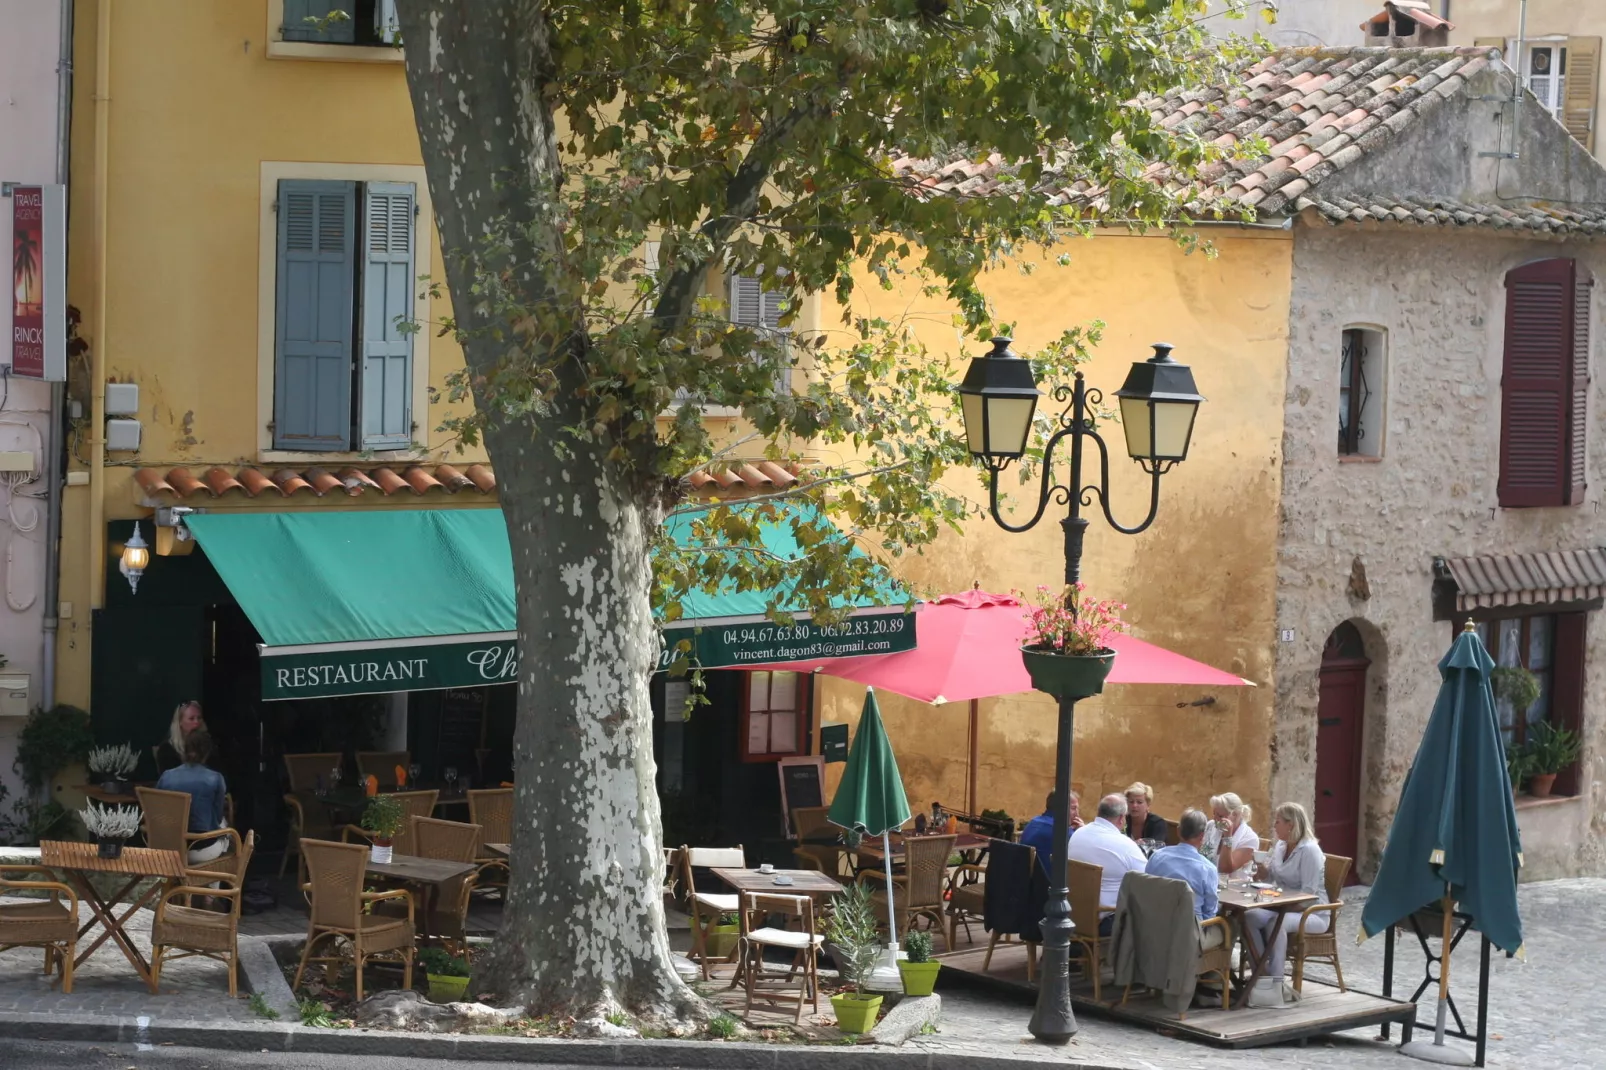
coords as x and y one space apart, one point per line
1142 823
1298 867
1231 836
186 719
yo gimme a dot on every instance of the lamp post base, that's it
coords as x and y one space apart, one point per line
1053 1022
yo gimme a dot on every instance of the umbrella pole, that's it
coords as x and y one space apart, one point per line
1436 1052
892 913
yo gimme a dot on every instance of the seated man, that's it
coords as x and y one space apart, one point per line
1184 862
1103 843
206 790
1039 831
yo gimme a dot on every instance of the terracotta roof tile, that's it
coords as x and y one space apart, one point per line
252 482
1319 109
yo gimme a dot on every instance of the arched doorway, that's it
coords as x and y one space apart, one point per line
1340 713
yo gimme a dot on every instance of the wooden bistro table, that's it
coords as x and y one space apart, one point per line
1237 900
503 849
76 861
809 882
425 874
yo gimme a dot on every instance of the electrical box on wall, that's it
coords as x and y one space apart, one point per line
122 435
122 399
16 461
13 694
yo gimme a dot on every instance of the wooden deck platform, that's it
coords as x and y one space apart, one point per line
1324 1009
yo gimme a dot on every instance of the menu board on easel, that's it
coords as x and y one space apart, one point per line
462 728
802 784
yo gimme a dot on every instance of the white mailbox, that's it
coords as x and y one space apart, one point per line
13 694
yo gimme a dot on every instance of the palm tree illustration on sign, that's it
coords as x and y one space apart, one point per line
25 272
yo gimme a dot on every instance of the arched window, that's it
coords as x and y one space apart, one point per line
1360 392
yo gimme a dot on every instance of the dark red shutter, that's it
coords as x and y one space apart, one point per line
1536 403
1567 687
1578 391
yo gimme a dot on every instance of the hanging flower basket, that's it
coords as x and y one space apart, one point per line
1066 675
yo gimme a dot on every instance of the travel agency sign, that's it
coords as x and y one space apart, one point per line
38 303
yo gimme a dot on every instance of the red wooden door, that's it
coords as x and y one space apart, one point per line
1340 709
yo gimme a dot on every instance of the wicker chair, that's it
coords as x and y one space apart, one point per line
51 924
304 771
166 822
1213 962
181 932
492 810
801 982
917 894
414 804
706 907
1303 946
967 899
811 822
338 913
453 841
1173 833
381 765
1084 880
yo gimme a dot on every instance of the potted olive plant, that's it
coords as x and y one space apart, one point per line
919 972
1551 750
112 766
382 819
1067 649
447 973
110 826
856 948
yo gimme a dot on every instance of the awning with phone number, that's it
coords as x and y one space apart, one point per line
324 591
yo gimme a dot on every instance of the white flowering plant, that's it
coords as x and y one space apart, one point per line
115 762
110 822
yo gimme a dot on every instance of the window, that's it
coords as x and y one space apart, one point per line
367 22
1360 392
342 377
775 716
1564 74
1545 385
1545 72
1551 646
753 306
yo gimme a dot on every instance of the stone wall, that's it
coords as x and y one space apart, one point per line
1440 297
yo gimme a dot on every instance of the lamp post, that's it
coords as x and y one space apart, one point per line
998 399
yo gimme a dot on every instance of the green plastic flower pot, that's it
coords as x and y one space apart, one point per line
722 940
444 989
1065 675
919 978
855 1013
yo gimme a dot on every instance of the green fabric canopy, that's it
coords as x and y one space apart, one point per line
870 798
1455 833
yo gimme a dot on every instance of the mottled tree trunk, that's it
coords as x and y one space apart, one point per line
583 932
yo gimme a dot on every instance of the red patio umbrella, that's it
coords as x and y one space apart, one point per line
969 648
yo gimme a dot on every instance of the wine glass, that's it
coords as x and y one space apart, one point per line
334 778
451 779
414 771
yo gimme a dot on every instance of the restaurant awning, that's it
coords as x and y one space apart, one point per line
353 602
1526 579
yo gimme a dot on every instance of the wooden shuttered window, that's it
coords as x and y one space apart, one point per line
753 306
1544 385
313 329
1582 89
385 401
336 32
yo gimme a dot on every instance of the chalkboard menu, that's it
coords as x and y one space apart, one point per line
802 784
462 727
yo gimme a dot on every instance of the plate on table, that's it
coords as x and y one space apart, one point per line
1261 886
783 882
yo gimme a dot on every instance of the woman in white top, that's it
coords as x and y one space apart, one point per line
1298 867
1234 842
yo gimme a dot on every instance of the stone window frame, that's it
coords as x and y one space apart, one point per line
1363 392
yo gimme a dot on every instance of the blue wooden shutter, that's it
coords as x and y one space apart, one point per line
313 323
386 411
297 28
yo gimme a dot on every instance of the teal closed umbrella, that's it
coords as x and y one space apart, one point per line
870 799
1454 838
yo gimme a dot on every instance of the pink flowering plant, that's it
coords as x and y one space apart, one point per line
1070 623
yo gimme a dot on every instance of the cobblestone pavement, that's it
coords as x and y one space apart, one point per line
1542 1011
107 984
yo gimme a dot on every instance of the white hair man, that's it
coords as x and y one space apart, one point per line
1104 843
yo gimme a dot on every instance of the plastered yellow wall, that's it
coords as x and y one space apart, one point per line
181 120
1201 581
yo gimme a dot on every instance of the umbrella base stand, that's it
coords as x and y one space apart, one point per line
885 977
1430 1052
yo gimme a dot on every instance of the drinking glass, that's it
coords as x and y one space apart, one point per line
334 777
451 778
414 771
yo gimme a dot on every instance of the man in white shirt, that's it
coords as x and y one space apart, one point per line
1104 844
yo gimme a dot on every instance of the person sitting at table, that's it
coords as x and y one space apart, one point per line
1103 843
206 790
1299 867
1142 823
1183 862
1236 841
186 719
1039 831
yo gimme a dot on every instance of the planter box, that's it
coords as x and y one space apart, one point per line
446 989
1065 676
919 978
855 1014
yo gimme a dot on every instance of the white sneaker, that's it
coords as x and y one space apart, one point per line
1266 993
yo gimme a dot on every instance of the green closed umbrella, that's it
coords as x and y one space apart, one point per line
870 799
1454 838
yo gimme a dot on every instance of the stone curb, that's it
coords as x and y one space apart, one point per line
706 1055
261 973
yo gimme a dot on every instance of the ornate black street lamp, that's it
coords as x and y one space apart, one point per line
998 399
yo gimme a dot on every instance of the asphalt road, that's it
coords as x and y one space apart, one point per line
35 1055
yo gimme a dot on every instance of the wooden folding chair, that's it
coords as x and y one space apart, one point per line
707 907
800 983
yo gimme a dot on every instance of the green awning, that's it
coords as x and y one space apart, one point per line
372 601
